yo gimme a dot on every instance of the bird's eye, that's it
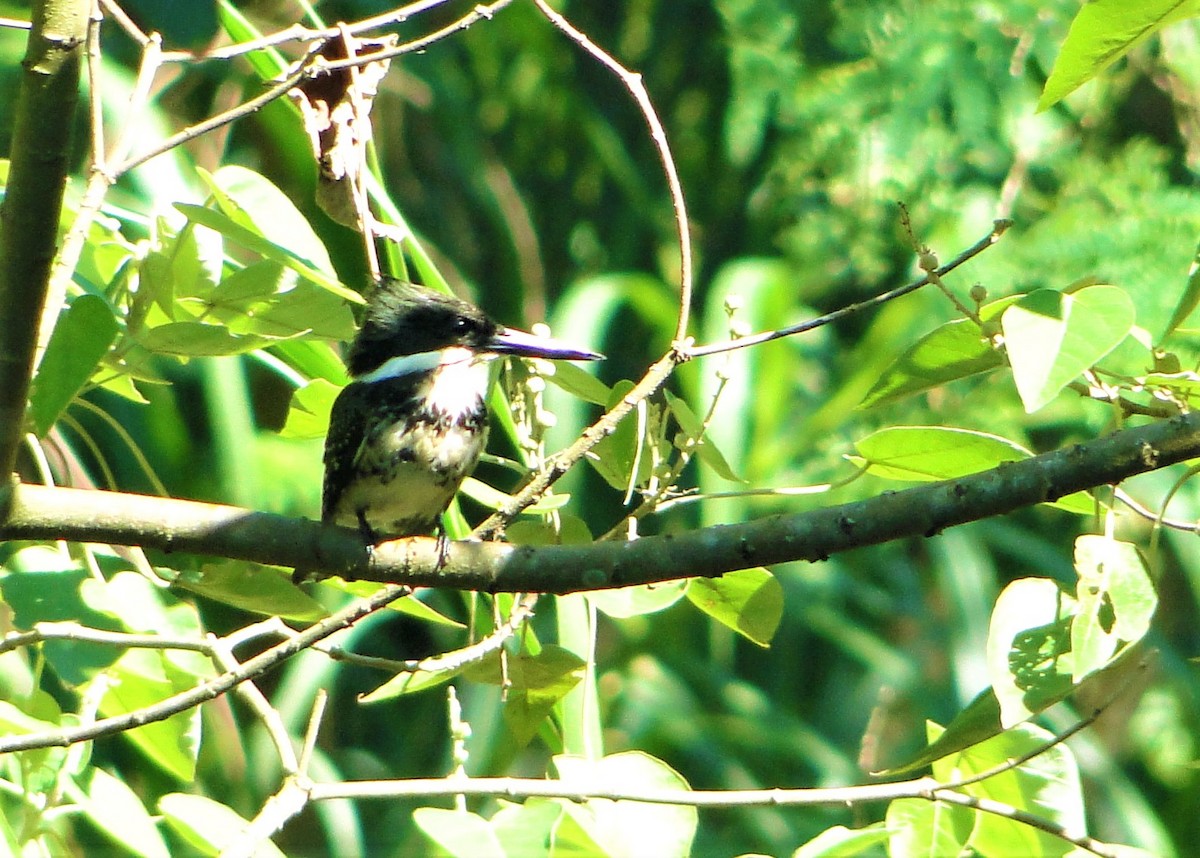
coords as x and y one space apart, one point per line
461 324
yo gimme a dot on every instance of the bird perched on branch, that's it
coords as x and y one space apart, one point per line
412 423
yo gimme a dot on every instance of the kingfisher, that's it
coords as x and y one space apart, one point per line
412 423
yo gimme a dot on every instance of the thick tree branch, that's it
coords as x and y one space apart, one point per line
172 525
42 121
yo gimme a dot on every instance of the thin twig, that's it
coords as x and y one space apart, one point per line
126 23
223 657
1155 517
971 252
479 13
95 101
209 690
72 631
314 728
661 370
633 82
781 491
447 661
925 788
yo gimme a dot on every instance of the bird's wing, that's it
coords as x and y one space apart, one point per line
347 431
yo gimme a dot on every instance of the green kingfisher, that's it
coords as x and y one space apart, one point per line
412 422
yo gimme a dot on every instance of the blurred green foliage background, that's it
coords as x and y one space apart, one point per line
797 126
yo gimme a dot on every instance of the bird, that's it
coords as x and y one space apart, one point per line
411 424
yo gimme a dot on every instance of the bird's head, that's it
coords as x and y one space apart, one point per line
409 328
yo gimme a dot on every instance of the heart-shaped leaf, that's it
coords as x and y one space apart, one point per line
1052 337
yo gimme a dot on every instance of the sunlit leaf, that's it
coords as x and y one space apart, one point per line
208 826
1104 31
918 827
1052 337
979 720
252 587
81 337
1188 300
616 456
252 240
625 602
493 498
308 414
1047 786
1028 647
749 601
197 339
922 453
117 811
579 383
459 833
957 349
1116 601
696 439
44 586
842 842
628 827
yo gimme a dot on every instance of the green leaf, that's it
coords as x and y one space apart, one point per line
271 212
1047 786
308 414
459 833
749 601
208 826
44 586
252 240
924 453
1188 300
409 606
1103 32
980 720
957 349
246 288
624 602
617 455
411 682
629 827
265 590
493 498
543 826
927 828
43 765
198 339
80 339
842 842
1116 601
117 811
695 438
1052 337
580 383
535 683
142 678
1028 647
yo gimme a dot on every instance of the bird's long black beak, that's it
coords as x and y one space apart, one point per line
507 341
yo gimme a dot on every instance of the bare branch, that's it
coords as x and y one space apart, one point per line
72 631
215 687
998 229
633 82
926 788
